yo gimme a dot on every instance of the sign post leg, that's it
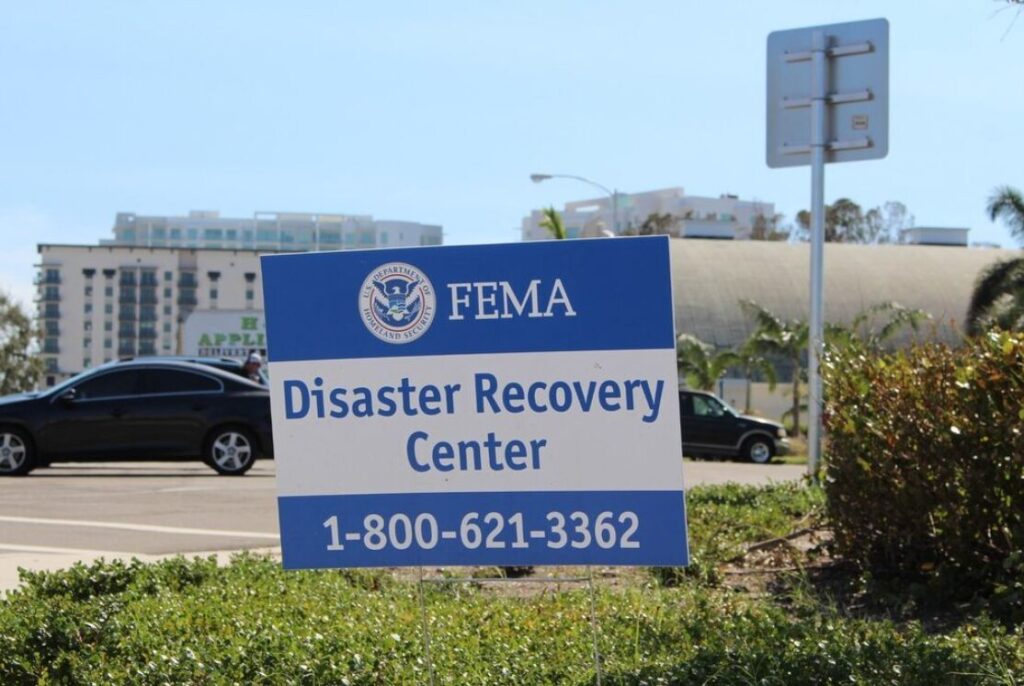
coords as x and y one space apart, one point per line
593 625
426 632
819 93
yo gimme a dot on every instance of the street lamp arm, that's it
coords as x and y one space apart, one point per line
537 178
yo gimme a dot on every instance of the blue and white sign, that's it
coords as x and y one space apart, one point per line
480 405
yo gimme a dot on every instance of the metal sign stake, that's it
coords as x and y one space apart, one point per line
819 85
845 73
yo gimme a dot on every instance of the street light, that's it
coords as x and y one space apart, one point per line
614 195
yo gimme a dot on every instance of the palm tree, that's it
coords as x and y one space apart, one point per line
552 221
778 337
861 331
752 360
700 364
998 297
1006 203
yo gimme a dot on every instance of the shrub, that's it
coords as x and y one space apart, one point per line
925 469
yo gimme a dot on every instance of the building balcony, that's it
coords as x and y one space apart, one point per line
47 280
126 333
51 312
126 316
188 300
49 297
51 347
126 349
187 281
147 334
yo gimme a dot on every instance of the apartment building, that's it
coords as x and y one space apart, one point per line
690 216
269 231
132 295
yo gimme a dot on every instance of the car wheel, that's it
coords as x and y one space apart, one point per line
230 451
17 457
758 450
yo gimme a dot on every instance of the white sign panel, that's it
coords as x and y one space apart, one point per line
509 404
857 104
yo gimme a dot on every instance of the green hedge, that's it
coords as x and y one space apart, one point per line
925 464
181 622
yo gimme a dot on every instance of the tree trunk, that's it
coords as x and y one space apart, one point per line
746 407
796 399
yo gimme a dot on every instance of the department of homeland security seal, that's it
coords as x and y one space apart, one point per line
397 302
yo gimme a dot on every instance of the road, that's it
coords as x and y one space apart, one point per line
81 512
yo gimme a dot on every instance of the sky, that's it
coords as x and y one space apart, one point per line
438 112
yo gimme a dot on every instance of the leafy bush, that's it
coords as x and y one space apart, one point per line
926 464
189 622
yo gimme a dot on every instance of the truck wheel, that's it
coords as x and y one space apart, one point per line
758 450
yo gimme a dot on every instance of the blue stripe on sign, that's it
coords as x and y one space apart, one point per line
619 288
508 528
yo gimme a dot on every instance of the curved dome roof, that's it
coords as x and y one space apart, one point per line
710 278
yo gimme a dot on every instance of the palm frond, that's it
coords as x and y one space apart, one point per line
1005 278
1007 203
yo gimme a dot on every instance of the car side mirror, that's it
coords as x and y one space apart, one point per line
68 397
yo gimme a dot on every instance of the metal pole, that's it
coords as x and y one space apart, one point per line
615 212
819 93
426 632
593 626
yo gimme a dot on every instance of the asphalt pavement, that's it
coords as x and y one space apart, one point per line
85 511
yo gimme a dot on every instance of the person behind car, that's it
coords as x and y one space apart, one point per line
251 370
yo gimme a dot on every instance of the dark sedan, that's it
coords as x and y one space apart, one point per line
139 409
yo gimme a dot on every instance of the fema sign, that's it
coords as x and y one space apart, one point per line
504 404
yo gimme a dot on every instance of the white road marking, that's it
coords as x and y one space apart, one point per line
140 527
57 551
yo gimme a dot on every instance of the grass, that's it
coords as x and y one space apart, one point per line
190 621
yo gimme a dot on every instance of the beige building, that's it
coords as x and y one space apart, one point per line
692 216
100 303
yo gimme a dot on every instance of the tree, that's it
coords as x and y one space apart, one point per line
552 221
20 370
998 296
863 329
765 228
1006 203
752 360
657 224
885 224
846 222
700 364
775 336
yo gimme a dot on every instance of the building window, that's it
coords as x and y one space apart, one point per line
168 276
51 365
86 362
88 291
250 277
108 291
88 308
108 308
108 343
167 327
167 293
249 295
167 310
87 325
213 294
108 326
86 342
